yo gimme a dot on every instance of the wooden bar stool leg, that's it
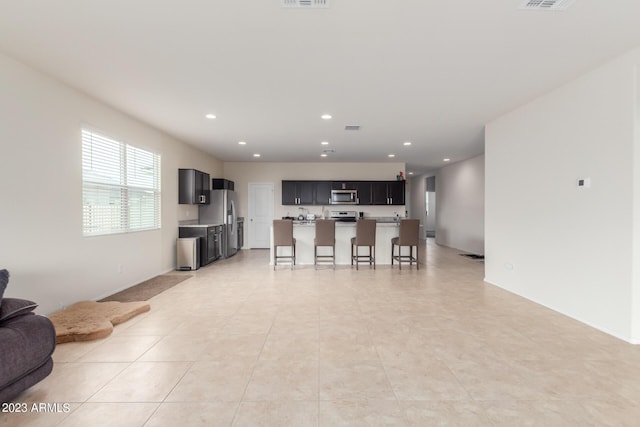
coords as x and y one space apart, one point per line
334 256
392 250
410 256
352 255
372 252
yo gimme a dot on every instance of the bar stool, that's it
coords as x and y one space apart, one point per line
365 236
409 236
325 236
283 236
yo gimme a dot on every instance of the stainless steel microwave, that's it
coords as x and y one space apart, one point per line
344 197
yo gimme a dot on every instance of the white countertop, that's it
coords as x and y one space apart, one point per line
342 224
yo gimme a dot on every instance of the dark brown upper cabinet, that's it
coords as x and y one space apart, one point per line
194 187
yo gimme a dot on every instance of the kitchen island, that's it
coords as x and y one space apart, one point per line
304 233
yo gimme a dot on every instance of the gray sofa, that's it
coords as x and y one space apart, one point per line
27 342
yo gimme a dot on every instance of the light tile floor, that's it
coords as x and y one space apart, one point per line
242 345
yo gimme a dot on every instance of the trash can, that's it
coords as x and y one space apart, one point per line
188 253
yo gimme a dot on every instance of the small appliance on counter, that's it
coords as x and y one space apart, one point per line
344 216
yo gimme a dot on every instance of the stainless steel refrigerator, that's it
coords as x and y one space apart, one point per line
222 210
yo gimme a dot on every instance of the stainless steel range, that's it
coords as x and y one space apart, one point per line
344 216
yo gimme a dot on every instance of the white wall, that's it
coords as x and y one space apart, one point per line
417 208
568 248
242 173
635 300
430 224
460 205
41 194
416 192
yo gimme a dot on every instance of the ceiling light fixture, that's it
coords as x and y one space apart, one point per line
323 155
407 143
392 155
326 117
256 155
324 143
210 116
446 160
410 173
242 143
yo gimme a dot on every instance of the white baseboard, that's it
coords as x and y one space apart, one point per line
599 328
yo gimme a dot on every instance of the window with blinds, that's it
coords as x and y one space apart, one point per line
120 186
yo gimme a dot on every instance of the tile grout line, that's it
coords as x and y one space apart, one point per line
255 366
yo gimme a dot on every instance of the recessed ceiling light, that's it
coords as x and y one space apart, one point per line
323 155
392 155
210 116
406 143
326 116
410 173
446 160
324 143
256 155
242 143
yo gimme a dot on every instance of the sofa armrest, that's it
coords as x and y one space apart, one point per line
13 307
26 343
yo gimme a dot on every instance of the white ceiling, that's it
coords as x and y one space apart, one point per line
430 72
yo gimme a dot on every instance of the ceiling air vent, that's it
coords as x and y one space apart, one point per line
546 4
352 127
307 4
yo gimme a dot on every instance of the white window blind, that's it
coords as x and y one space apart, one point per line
120 186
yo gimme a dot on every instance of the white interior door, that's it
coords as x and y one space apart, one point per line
261 208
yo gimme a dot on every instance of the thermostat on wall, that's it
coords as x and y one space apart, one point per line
584 182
